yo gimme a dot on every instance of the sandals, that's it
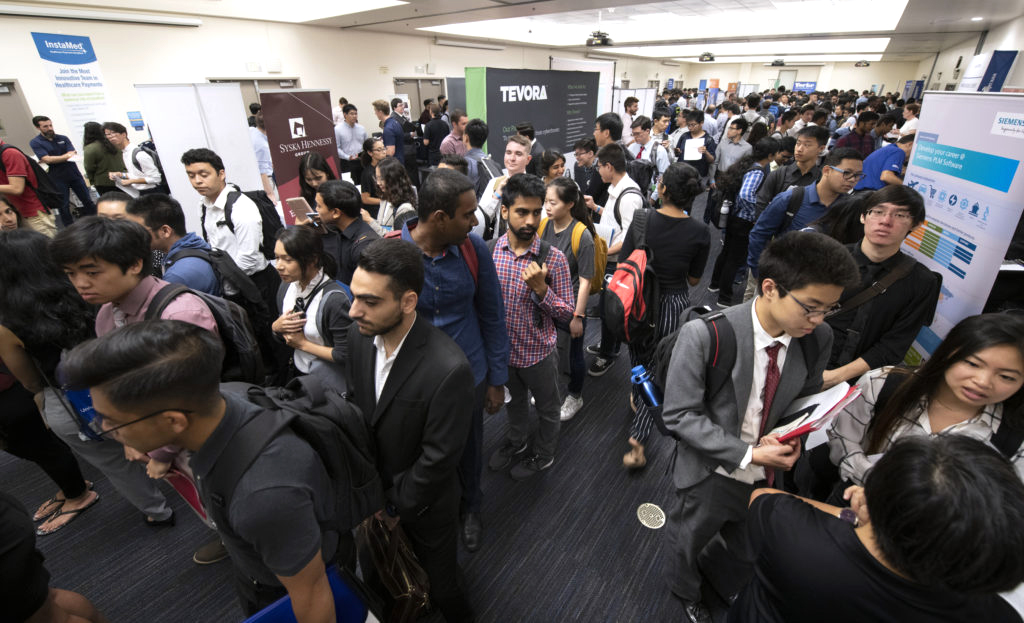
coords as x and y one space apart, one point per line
73 513
634 459
53 505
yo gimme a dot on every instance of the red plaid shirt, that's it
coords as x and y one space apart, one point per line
528 344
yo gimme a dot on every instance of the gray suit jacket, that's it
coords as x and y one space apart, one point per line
709 429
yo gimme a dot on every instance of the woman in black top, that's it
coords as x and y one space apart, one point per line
313 171
373 152
934 535
679 246
433 134
41 314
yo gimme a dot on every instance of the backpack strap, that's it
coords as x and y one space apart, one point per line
1008 438
135 158
861 300
796 200
542 258
163 298
639 228
577 237
628 191
239 454
543 225
468 250
229 203
722 353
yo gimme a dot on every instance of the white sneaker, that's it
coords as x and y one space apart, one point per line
571 405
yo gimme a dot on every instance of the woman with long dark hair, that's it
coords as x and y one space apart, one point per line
398 198
679 246
971 385
312 307
40 315
313 171
100 158
373 152
552 165
566 213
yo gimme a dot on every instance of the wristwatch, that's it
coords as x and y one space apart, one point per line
849 516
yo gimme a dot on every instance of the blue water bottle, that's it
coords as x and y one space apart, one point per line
650 392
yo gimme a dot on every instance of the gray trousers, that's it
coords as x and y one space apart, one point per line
128 477
541 380
714 507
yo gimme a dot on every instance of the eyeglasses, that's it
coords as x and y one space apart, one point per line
849 176
97 422
900 215
811 312
582 154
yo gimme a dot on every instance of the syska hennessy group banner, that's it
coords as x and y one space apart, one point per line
561 105
968 170
76 78
297 122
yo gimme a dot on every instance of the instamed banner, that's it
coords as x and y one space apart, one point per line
297 122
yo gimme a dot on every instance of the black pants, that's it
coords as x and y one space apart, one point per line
471 463
274 353
732 257
81 190
24 435
609 346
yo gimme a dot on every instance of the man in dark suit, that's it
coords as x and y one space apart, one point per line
724 446
416 387
536 149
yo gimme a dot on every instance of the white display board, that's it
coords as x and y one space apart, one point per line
605 84
647 98
187 116
968 169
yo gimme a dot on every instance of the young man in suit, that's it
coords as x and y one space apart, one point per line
723 447
415 385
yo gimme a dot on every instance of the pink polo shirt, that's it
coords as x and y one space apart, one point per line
187 307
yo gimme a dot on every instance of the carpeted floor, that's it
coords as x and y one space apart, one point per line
566 545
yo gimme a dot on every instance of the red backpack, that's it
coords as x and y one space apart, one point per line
631 303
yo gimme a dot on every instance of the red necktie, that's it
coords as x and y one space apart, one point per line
771 384
640 155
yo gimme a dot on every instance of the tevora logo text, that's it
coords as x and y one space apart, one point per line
523 93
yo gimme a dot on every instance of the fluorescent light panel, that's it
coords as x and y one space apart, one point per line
784 18
789 46
454 43
790 60
51 11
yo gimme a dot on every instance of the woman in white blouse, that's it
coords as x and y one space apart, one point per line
970 386
313 308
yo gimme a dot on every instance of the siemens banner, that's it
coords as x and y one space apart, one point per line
968 169
76 78
561 105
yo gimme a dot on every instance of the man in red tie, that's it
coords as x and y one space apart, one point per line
644 147
724 443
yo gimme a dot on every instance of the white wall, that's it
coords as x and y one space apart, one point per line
1006 36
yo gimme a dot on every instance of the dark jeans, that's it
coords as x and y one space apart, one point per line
25 436
732 258
609 346
577 365
81 191
471 464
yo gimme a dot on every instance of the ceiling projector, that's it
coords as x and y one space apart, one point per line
706 57
599 39
778 63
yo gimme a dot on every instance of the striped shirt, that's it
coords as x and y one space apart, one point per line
528 344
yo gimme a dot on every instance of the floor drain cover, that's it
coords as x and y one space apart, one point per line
651 516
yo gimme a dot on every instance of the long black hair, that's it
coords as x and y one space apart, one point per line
568 192
92 132
306 246
969 336
732 180
37 302
312 161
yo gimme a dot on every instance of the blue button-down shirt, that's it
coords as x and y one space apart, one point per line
770 222
472 314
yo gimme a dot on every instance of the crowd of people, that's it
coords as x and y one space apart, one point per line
424 304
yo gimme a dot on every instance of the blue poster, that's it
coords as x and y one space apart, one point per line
806 87
75 75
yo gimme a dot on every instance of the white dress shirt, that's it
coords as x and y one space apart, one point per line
147 169
653 151
629 204
383 363
304 361
350 139
751 428
244 244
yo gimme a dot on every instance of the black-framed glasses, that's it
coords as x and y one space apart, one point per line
849 176
900 215
97 421
811 312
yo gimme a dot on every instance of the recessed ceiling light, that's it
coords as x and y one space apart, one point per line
977 19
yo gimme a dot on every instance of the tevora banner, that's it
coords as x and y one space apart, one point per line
76 78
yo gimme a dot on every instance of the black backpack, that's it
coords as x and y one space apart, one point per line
45 189
150 149
242 358
643 172
268 216
247 294
629 191
334 427
723 355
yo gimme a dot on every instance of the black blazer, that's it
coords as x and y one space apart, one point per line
536 151
422 419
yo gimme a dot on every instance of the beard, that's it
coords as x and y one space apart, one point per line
383 328
524 234
50 134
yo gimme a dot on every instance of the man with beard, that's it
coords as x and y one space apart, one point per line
56 151
537 289
415 387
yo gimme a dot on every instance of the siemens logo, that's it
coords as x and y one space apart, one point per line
525 93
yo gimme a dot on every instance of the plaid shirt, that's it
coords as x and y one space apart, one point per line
864 144
528 344
746 200
848 433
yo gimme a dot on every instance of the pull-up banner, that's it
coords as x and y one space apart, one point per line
297 122
561 105
968 170
76 77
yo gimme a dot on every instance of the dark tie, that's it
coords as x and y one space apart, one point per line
771 384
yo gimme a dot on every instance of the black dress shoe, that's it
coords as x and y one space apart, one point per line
696 612
471 530
156 523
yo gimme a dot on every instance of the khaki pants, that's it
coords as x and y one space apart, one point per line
751 289
43 223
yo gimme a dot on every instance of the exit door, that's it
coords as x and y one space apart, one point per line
786 78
